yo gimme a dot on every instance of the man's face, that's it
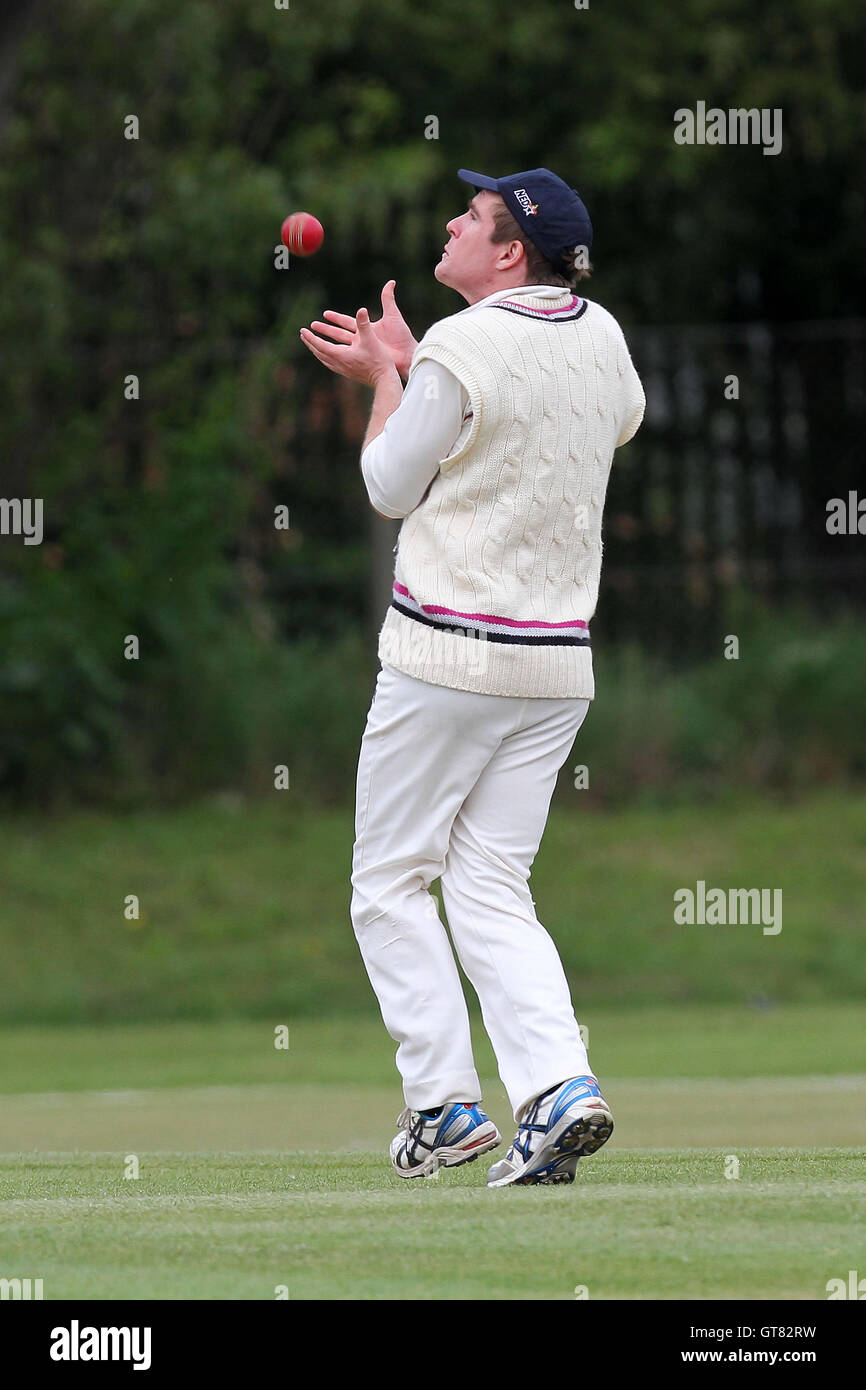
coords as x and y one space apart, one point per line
470 259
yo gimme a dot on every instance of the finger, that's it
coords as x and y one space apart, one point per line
330 330
388 294
333 360
311 341
331 357
340 349
363 320
344 320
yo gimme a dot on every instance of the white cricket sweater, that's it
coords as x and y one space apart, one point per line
498 567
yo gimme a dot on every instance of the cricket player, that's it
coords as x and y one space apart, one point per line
496 456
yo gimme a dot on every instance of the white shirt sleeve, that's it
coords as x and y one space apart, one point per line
400 464
634 406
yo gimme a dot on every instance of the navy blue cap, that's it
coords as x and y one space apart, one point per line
551 214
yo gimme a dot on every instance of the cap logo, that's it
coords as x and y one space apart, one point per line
529 208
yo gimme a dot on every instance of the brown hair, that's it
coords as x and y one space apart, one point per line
539 270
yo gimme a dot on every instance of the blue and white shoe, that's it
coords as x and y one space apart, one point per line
567 1122
445 1138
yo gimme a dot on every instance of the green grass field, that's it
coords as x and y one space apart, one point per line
260 1169
244 908
657 1223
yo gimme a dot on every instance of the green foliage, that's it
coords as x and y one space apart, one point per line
785 715
155 257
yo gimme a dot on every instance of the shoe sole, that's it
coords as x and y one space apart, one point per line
453 1157
564 1170
574 1137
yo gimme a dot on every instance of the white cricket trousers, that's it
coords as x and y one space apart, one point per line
457 786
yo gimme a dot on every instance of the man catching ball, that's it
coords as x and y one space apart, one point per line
496 455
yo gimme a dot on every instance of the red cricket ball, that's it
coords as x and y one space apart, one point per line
302 233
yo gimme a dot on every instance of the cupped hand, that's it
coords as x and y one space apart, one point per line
394 331
391 329
357 352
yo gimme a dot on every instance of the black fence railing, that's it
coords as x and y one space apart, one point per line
750 430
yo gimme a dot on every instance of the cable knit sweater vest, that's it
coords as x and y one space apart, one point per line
498 567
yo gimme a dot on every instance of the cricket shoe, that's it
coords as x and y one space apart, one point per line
564 1124
430 1140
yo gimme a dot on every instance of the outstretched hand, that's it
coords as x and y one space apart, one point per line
358 355
394 331
391 331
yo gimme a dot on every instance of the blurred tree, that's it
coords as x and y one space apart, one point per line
154 257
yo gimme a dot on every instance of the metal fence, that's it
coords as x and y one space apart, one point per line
749 431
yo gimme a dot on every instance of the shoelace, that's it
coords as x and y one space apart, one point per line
413 1122
408 1118
525 1130
528 1127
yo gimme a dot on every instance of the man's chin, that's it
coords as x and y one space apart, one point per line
440 270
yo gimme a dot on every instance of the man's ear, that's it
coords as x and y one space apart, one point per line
510 253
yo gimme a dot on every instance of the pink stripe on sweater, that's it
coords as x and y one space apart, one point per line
566 308
486 617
